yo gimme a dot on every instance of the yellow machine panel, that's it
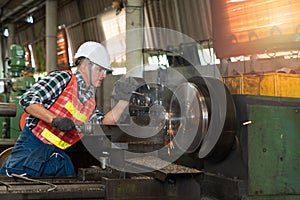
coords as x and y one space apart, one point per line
270 84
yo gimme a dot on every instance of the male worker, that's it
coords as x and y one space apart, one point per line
55 104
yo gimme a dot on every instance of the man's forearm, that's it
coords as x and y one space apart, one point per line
38 111
113 116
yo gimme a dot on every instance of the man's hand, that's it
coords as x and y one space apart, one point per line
125 86
64 124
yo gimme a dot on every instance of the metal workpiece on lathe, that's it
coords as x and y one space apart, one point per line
89 129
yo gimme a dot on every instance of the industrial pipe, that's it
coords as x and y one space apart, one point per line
8 110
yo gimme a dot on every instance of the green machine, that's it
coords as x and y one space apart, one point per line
274 158
20 79
264 162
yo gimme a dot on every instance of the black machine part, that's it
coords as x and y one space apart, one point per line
202 103
200 112
207 103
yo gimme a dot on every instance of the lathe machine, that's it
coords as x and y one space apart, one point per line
193 141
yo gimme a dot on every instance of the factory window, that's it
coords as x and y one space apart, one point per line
31 60
28 56
114 27
206 53
243 27
62 48
156 61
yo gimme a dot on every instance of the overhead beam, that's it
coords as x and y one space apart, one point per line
16 10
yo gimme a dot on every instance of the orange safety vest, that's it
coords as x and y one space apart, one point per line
66 105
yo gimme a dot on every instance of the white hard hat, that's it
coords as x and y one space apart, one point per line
95 52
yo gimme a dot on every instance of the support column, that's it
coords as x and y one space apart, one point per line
51 35
10 41
11 37
134 39
2 61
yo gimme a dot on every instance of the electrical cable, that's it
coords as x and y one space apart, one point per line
6 184
53 187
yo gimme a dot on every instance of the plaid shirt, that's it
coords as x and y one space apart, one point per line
47 90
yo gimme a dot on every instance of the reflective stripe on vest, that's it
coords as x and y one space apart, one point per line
54 139
66 105
76 113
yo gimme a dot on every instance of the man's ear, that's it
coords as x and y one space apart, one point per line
84 64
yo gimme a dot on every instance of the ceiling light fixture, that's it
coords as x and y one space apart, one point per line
29 19
5 32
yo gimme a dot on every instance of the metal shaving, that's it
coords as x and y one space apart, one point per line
162 165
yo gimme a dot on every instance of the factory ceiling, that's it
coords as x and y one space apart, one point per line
15 11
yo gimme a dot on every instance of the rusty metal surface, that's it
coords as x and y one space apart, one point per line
159 168
163 166
219 187
94 173
66 188
176 188
133 189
